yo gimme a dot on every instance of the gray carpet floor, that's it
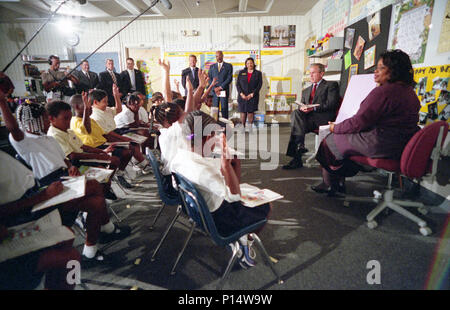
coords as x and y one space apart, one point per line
319 243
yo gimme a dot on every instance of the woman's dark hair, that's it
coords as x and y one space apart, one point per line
168 111
399 66
55 107
97 95
250 58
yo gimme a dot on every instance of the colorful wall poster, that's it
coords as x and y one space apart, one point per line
433 91
359 48
369 57
362 8
353 71
279 36
410 28
444 38
279 104
374 25
349 38
335 15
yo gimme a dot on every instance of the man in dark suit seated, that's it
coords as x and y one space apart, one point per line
106 80
132 79
223 71
88 79
320 102
192 72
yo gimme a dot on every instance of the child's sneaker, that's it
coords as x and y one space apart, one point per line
246 261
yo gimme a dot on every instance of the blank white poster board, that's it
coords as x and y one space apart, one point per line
357 90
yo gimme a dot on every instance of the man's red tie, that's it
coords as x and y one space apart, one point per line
313 92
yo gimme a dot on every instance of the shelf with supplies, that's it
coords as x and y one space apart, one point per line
334 44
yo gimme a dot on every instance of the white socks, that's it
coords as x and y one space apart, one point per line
90 250
243 240
107 228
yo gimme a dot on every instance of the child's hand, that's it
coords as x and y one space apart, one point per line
54 189
74 172
86 102
115 90
164 64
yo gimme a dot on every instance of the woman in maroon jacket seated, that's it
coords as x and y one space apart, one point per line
381 128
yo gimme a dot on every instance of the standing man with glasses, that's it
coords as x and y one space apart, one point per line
325 96
106 80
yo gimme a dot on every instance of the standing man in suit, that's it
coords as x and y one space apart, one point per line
223 72
88 79
192 72
132 79
106 80
307 119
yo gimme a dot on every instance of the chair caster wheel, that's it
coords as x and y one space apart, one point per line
424 211
372 224
425 231
346 204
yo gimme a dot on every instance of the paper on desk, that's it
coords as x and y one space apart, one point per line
222 93
73 188
29 237
252 196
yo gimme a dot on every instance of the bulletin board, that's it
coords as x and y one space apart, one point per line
98 60
433 91
376 42
180 61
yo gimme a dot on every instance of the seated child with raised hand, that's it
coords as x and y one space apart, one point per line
60 115
218 180
129 118
104 116
92 134
45 156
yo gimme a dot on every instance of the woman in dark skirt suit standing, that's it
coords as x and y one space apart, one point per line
248 85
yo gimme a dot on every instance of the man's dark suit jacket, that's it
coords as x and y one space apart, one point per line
224 77
106 83
327 95
188 72
126 82
86 83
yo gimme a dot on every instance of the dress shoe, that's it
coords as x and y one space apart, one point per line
322 188
294 164
302 150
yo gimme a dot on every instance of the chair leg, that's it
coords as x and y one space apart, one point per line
114 213
407 214
157 215
191 231
266 257
381 206
166 233
231 262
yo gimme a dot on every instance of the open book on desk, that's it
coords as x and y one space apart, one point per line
253 196
74 187
98 161
101 175
135 137
32 236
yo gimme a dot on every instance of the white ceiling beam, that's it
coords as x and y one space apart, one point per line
20 9
243 5
154 8
130 7
268 5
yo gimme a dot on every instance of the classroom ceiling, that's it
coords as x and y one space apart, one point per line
36 10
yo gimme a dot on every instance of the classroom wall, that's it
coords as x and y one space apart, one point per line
234 33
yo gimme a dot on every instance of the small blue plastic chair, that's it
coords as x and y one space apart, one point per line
198 211
166 199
